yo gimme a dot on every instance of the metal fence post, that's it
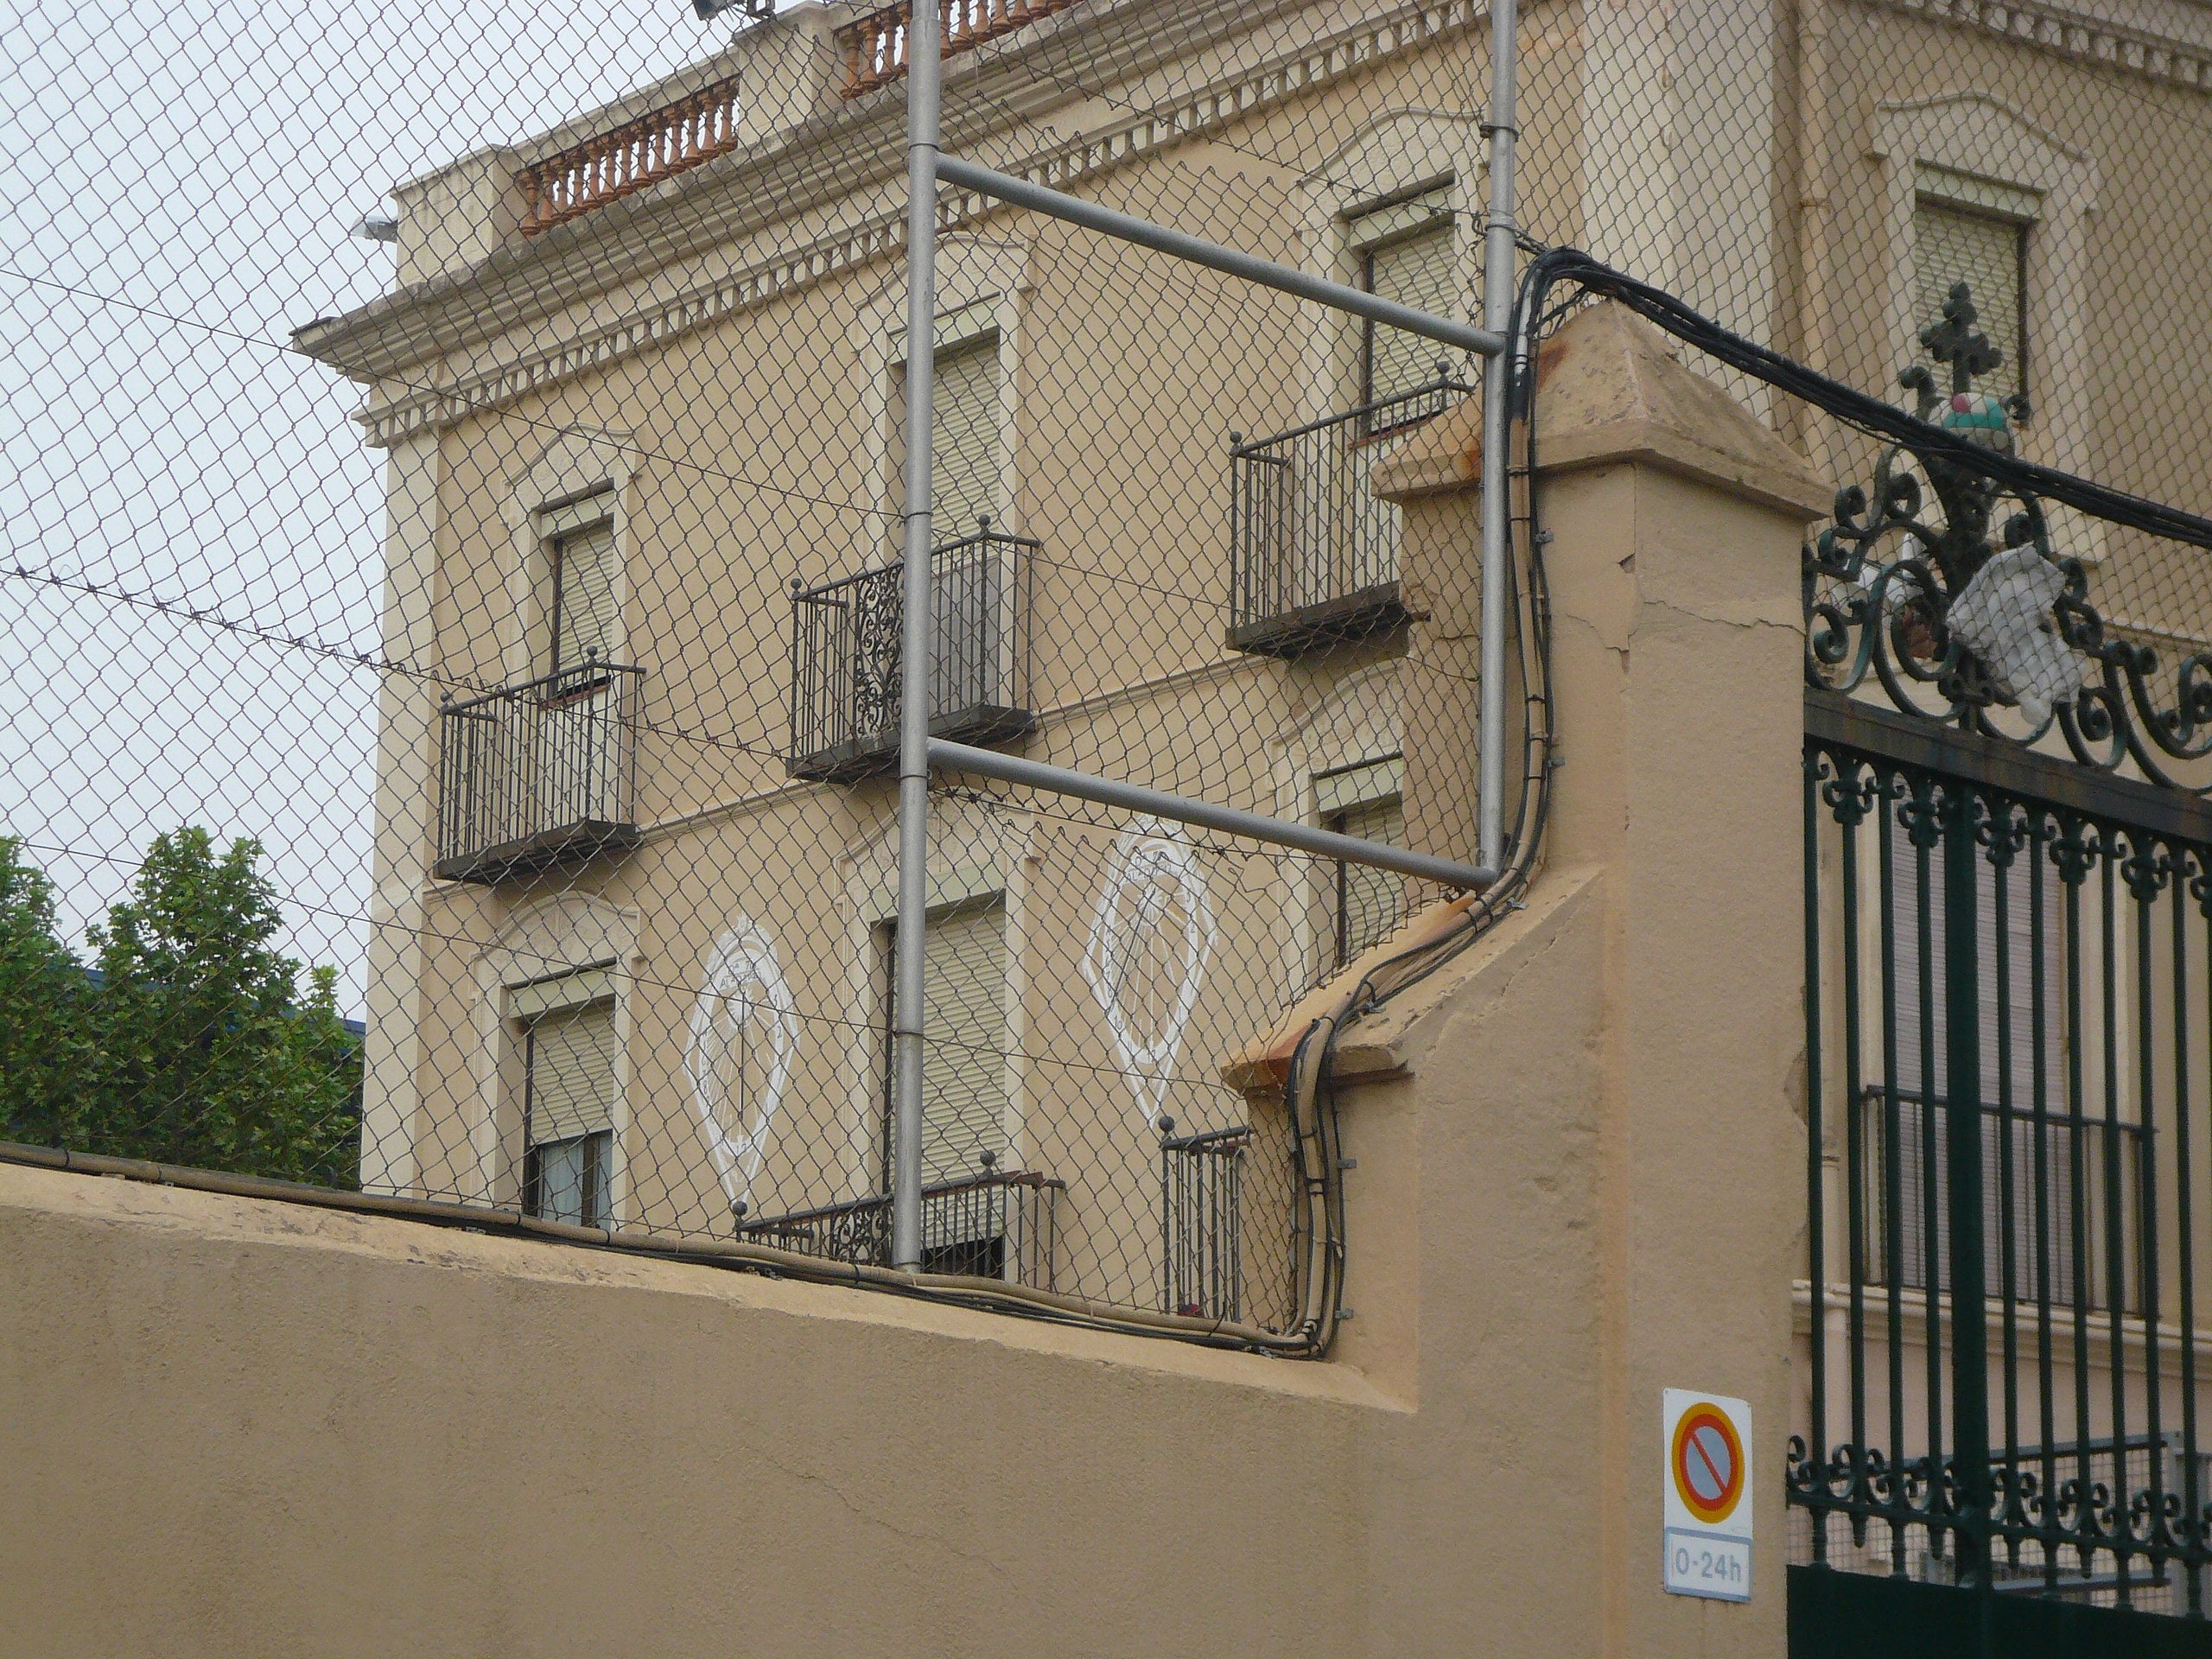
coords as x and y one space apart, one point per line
1498 317
922 47
1962 1085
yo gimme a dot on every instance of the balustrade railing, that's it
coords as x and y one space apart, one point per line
874 47
611 165
845 657
2044 1193
536 774
996 1226
1314 555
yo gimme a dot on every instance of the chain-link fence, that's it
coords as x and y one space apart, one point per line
454 499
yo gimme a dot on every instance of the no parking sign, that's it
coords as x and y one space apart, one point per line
1708 1513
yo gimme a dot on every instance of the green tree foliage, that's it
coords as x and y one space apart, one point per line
43 1054
194 1043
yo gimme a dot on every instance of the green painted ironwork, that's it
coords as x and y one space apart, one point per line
2009 1014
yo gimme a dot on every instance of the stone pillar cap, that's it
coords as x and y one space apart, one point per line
1610 389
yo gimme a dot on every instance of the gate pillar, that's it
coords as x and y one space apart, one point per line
1669 1208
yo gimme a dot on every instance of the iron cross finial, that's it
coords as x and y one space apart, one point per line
1956 341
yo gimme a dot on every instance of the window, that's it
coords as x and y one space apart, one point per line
964 1088
1366 800
966 454
583 617
1977 234
569 1082
1404 250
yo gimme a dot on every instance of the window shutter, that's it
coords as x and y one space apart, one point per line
1955 245
572 1073
964 430
964 1083
964 439
587 617
1415 268
1350 786
2017 983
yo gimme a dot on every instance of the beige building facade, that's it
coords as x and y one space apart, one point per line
692 375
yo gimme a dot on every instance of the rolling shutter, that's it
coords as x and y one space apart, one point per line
1408 257
964 1081
571 1073
587 618
1956 244
964 429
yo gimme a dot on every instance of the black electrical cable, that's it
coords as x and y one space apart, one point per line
1868 414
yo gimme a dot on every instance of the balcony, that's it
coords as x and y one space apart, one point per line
995 1226
845 658
1313 555
1202 1221
539 774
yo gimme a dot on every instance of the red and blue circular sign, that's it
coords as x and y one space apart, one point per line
1707 1464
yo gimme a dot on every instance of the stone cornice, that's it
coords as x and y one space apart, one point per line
2153 54
830 158
384 339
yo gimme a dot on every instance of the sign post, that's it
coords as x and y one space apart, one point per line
1707 1529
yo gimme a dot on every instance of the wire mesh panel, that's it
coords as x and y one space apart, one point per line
321 364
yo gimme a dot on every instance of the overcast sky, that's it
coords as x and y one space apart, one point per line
182 184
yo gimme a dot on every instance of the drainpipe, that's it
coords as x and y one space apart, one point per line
1496 505
915 637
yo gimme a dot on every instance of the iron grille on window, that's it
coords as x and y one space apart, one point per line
845 657
537 774
1314 555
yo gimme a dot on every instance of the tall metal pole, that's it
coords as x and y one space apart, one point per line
1963 1172
923 49
1497 502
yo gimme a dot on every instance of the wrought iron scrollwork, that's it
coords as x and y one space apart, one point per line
1992 630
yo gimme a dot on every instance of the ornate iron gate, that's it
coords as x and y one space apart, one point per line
2010 1038
2008 966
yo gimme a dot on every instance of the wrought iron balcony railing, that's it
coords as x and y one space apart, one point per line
995 1226
1201 1220
845 657
1313 555
537 774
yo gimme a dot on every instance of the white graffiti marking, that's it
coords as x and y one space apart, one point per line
744 1028
1146 957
